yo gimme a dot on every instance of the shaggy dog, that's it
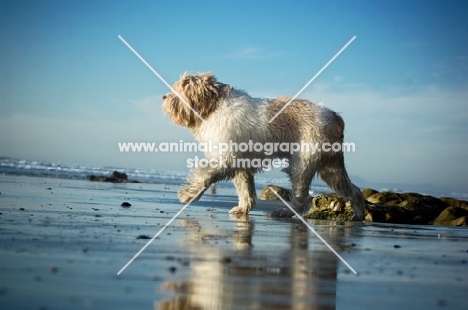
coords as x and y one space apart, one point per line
218 113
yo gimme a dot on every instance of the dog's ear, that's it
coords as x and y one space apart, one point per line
203 92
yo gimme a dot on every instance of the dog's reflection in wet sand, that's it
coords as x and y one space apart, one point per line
292 273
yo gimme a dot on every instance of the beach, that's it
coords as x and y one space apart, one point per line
63 241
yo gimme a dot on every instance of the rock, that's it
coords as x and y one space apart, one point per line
455 202
143 237
425 200
367 192
119 175
407 212
98 178
462 221
395 214
404 208
385 198
421 211
267 194
330 207
452 216
384 207
386 214
126 204
115 177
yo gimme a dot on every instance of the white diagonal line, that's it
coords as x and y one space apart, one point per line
161 78
312 79
313 230
160 231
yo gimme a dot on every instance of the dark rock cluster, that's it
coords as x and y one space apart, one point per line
388 207
115 177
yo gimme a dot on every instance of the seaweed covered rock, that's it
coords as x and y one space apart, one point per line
387 214
404 208
330 207
455 202
267 194
452 216
385 198
391 207
367 192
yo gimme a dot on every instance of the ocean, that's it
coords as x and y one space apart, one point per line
59 170
39 168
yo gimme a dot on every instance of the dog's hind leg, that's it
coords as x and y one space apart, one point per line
336 177
245 187
301 172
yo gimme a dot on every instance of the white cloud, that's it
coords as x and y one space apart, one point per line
251 53
149 106
88 141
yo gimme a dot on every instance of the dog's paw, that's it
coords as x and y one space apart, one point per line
282 213
238 210
185 195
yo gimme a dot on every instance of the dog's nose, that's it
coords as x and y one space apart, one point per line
164 97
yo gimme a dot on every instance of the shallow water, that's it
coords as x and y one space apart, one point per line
63 251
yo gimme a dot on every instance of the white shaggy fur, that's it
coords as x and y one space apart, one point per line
238 118
232 115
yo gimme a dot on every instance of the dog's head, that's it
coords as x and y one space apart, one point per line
201 94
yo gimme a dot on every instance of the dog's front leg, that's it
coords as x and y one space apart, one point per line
201 178
245 187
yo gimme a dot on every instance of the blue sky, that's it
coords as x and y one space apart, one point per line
70 89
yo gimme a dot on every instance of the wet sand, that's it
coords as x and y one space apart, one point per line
63 242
